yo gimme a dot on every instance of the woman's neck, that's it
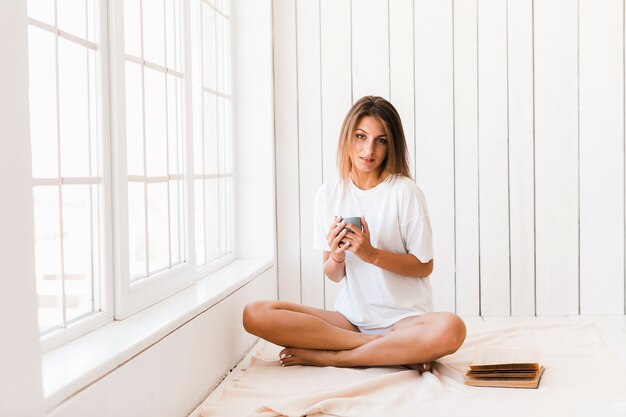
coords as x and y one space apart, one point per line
366 181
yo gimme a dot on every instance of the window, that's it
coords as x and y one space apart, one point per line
213 159
149 184
66 160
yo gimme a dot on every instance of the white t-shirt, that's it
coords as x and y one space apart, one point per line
395 210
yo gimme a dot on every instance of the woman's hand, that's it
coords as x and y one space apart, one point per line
359 242
334 237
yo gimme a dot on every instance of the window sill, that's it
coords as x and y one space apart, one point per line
77 364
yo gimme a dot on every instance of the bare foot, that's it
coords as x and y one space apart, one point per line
312 357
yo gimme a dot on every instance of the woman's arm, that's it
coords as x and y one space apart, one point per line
334 260
335 271
398 263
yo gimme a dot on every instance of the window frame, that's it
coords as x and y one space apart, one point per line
134 296
224 90
119 296
53 338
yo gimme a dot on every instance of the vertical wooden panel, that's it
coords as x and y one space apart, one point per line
466 156
434 136
601 157
286 128
556 156
309 144
521 145
493 158
370 48
402 92
336 93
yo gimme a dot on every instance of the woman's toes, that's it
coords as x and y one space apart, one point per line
286 357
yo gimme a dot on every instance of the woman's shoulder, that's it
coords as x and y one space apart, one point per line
330 188
410 195
407 185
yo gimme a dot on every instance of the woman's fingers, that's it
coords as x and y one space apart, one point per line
334 223
337 240
366 227
334 232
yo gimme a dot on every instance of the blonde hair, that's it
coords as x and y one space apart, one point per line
397 161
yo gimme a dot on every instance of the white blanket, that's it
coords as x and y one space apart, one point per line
582 378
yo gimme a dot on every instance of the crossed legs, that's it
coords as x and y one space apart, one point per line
326 338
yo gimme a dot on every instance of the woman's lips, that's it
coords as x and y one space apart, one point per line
367 160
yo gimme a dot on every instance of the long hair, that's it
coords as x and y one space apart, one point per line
396 161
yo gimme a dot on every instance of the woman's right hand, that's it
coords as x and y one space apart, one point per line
335 235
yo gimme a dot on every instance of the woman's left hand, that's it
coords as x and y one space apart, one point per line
359 241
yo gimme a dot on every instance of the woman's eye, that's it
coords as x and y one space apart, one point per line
382 140
360 136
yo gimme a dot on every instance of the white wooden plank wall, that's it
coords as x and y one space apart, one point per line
514 114
434 135
336 63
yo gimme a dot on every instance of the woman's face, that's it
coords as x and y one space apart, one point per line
369 148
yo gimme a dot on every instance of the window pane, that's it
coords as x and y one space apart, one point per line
199 214
172 13
209 52
210 128
222 53
177 210
72 17
198 148
223 133
229 214
213 220
94 121
132 27
42 10
224 215
79 236
155 104
223 6
158 234
43 104
154 31
226 51
136 230
48 256
174 125
74 109
134 119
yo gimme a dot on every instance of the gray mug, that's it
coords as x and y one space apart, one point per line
353 220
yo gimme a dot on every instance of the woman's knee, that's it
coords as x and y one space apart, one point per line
255 315
456 332
451 332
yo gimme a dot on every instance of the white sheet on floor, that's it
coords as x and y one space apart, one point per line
582 378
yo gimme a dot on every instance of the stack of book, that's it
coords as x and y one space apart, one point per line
507 367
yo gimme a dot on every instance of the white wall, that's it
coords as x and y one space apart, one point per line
172 377
20 375
514 112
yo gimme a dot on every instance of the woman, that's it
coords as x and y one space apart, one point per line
384 309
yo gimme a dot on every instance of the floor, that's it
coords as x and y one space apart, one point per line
612 330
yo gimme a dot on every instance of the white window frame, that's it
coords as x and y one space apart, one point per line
120 297
131 297
104 288
198 89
